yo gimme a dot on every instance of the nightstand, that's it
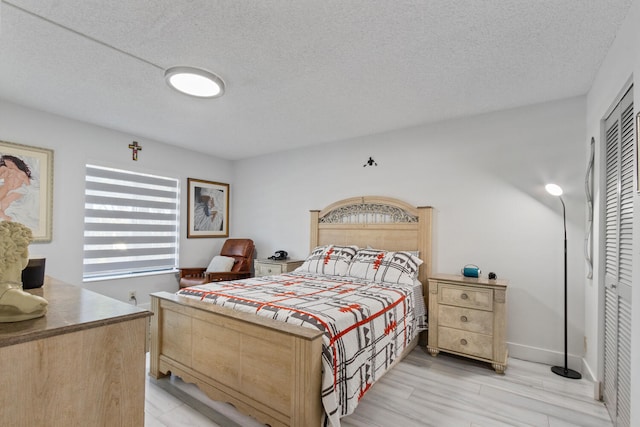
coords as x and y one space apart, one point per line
270 267
467 317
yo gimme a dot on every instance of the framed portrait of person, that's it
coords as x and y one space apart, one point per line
26 188
207 208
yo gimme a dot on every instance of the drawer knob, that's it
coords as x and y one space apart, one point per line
464 296
464 319
463 341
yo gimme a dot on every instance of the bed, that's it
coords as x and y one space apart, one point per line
267 368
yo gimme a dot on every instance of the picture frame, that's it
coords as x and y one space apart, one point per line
26 188
207 208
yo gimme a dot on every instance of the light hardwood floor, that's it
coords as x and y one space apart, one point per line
421 391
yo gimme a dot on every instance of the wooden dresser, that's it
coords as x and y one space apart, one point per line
82 364
270 267
467 316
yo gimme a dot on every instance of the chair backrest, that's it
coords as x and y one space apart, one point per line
241 250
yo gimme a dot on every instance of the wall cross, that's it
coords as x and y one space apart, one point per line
134 150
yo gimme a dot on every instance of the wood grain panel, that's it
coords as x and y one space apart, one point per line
97 383
464 342
465 297
178 335
466 319
227 354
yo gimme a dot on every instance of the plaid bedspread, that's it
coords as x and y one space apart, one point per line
366 325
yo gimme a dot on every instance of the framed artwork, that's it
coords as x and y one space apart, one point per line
26 187
207 208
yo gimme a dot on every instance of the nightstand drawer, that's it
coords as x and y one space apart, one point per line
470 343
465 296
466 319
268 269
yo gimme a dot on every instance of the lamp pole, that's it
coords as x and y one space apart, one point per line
563 371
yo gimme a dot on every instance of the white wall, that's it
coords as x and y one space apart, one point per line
484 175
614 77
75 144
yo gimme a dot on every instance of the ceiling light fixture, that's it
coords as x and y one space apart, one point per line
194 81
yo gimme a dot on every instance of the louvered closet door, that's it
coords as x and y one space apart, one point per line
619 259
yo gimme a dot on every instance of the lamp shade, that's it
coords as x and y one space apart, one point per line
553 189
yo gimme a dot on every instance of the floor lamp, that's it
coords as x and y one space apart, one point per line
563 371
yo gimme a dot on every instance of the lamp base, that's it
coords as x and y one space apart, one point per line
566 372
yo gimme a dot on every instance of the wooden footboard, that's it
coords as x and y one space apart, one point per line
267 369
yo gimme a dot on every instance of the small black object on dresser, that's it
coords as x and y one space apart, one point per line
33 274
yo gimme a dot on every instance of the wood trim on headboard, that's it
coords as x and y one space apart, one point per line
379 222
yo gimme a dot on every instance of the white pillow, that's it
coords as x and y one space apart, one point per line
330 260
385 267
366 263
337 260
313 263
398 267
221 263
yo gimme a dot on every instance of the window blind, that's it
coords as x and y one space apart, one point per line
130 223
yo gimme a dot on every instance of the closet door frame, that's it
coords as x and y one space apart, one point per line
607 288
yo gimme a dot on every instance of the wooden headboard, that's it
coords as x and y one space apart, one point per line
377 222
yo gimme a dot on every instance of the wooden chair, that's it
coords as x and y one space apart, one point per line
239 249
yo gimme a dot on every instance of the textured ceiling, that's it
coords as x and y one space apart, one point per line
300 72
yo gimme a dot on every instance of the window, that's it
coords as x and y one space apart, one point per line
130 223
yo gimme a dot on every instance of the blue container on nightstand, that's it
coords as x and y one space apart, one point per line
471 270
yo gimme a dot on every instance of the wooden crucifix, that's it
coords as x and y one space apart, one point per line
134 150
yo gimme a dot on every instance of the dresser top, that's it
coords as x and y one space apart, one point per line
458 278
71 308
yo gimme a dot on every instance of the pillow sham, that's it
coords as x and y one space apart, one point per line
331 260
366 263
221 263
337 259
399 267
385 267
311 263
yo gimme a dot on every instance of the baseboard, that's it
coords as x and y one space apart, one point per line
587 373
546 356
